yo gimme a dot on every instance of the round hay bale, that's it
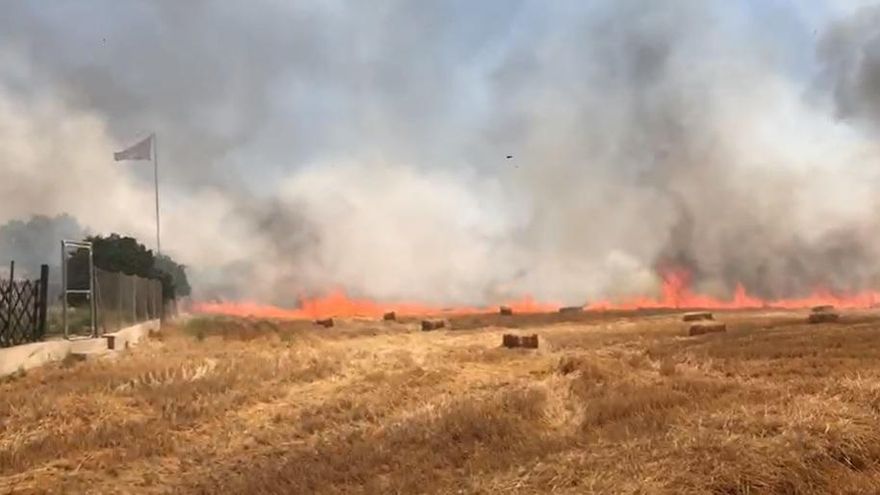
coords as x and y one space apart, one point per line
704 327
505 311
390 316
698 316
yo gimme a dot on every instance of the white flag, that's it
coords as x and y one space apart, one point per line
140 151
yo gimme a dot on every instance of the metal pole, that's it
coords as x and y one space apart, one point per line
94 304
7 323
156 177
64 288
134 304
44 294
119 281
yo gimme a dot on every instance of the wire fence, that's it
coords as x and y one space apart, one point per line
123 300
33 309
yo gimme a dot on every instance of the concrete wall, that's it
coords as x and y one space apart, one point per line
123 339
27 356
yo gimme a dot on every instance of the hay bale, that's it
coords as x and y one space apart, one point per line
326 322
390 316
519 341
505 311
698 316
823 314
704 327
428 325
572 309
823 317
510 341
529 341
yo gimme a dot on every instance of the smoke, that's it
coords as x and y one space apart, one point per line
310 147
36 241
850 56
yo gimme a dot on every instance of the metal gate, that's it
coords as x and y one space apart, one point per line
23 308
78 254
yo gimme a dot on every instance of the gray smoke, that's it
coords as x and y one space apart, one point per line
313 146
850 57
35 242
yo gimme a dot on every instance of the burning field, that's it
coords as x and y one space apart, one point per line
609 402
675 292
448 246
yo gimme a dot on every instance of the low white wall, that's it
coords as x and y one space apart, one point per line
27 356
123 339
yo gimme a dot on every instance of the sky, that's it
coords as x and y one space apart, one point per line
306 146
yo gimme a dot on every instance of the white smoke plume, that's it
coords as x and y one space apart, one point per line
314 146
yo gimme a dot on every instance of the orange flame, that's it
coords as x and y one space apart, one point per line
337 303
675 293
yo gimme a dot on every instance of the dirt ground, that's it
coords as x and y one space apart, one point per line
609 403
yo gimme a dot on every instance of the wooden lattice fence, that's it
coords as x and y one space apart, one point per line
23 309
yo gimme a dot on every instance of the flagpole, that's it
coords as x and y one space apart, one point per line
156 177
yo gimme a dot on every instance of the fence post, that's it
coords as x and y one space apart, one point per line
119 318
134 305
5 301
64 288
149 300
43 300
93 303
7 323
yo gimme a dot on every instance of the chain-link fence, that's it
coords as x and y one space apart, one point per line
124 300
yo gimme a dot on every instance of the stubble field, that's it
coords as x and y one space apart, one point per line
609 403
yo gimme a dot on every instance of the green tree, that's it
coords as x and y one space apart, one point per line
166 265
116 253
